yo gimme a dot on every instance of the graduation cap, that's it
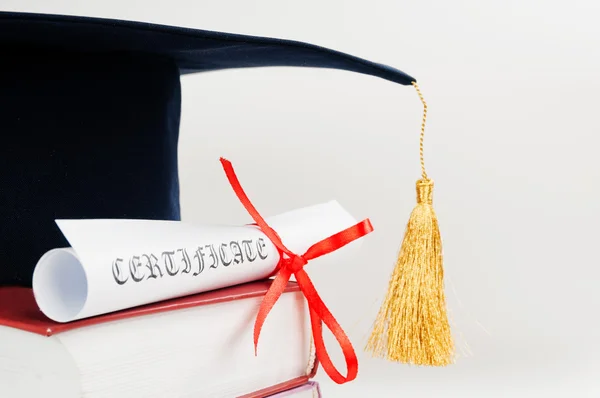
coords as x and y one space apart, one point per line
89 118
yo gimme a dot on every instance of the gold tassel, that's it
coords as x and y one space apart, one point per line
412 325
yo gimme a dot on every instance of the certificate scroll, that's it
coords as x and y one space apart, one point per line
115 264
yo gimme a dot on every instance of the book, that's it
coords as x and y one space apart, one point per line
194 346
310 389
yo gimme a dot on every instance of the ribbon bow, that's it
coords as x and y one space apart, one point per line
291 263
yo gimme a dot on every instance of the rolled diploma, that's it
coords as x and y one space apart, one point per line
116 264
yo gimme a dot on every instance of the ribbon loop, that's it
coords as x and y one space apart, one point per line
293 264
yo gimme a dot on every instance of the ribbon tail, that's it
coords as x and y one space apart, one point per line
275 290
339 240
320 314
243 198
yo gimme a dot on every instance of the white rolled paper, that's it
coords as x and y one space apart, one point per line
117 264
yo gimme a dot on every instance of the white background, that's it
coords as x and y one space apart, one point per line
512 144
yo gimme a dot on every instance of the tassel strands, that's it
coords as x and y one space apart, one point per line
412 324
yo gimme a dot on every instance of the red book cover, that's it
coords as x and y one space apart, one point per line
19 310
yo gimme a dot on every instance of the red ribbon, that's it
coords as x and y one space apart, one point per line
291 263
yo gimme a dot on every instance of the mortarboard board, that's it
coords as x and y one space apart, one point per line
90 112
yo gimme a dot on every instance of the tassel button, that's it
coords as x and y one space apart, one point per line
425 192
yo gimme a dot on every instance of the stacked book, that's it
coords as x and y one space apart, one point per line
195 346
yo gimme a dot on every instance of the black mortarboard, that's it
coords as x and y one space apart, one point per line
90 112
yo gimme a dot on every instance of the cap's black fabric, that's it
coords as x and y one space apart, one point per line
89 119
192 49
82 137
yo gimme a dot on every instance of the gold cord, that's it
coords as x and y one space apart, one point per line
312 357
422 138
